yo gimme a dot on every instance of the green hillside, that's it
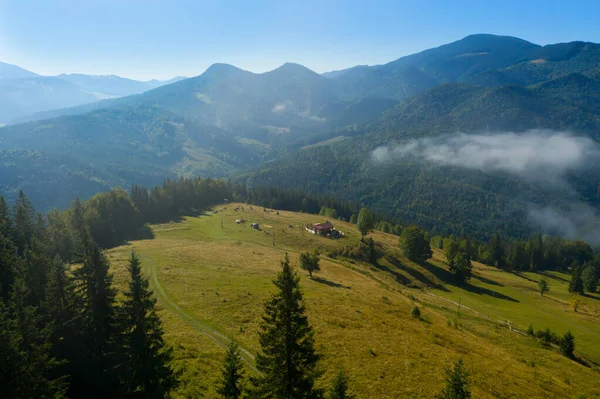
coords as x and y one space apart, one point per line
212 276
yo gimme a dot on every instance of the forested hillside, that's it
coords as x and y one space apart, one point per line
292 127
448 195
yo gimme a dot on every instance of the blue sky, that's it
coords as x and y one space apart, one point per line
145 39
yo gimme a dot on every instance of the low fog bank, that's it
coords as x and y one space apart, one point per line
578 222
543 156
536 154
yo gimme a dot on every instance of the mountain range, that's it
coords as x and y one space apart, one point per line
292 127
23 92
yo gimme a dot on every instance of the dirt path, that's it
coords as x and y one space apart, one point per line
198 325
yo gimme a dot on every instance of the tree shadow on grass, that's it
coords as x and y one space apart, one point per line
564 280
446 276
487 280
416 274
518 274
329 283
484 291
587 295
401 278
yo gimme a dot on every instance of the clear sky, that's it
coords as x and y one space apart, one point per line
145 39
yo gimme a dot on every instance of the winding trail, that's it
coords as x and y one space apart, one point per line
200 326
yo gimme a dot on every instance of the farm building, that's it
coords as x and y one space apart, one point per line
322 229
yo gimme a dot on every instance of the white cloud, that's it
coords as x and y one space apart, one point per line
279 107
536 154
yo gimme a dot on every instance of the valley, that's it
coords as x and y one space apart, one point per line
212 276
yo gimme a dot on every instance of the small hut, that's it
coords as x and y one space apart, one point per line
322 229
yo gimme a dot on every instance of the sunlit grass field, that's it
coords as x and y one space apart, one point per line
214 276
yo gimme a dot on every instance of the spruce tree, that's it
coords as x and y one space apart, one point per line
24 218
5 219
148 358
231 382
589 277
288 359
567 344
95 368
543 286
59 315
34 364
10 263
339 389
457 383
576 283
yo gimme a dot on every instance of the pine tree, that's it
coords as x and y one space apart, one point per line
372 252
10 263
95 366
457 383
288 359
233 373
10 361
24 222
567 344
589 277
33 364
59 314
5 219
339 389
148 358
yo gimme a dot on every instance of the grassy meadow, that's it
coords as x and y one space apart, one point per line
212 276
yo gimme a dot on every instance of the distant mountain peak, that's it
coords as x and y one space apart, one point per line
490 36
221 68
9 71
293 69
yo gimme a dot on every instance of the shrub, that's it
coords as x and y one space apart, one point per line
415 312
530 331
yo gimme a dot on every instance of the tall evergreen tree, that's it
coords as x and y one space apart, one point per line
24 222
59 316
233 373
589 277
10 263
567 344
339 389
288 359
457 383
34 363
5 219
148 358
95 371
